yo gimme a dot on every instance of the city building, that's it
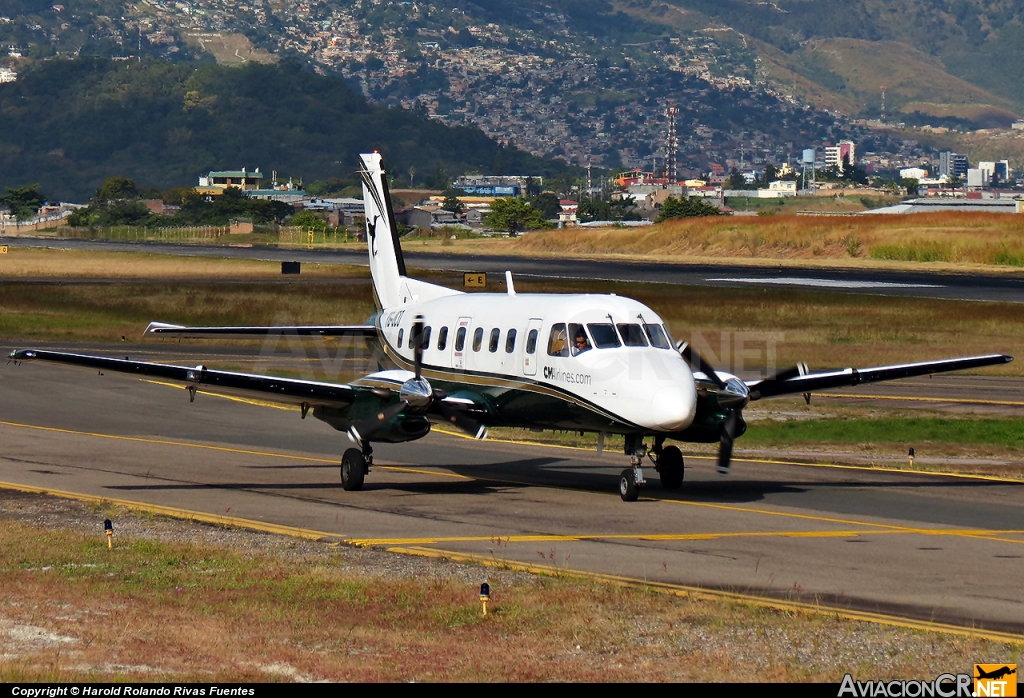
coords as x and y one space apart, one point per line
7 75
219 181
836 155
953 164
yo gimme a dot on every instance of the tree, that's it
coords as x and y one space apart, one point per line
686 207
117 189
452 202
514 215
308 219
593 210
23 201
548 205
910 185
736 180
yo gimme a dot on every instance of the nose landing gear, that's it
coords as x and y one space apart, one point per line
668 461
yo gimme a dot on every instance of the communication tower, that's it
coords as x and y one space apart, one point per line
672 144
883 105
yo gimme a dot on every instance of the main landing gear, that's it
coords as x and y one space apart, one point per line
355 464
668 461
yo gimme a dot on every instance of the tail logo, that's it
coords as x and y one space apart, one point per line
371 230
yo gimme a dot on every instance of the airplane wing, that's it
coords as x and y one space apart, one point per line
164 329
812 382
272 388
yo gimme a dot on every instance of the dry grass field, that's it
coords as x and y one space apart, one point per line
972 239
69 295
178 601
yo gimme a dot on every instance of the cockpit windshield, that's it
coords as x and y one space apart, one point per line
604 335
632 335
657 335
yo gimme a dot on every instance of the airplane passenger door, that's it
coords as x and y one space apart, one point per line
460 343
531 347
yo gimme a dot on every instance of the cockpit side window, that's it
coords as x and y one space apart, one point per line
632 335
401 334
558 340
657 335
579 340
604 335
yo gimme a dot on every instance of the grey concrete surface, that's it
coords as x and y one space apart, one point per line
918 284
924 546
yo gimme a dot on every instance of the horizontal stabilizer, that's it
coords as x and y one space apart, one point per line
164 329
813 382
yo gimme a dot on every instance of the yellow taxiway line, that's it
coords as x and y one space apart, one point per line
714 595
679 590
714 535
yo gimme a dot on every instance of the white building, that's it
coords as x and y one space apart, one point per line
7 75
917 173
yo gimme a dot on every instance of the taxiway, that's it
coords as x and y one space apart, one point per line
936 548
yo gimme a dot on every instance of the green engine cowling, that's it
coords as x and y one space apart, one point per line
398 429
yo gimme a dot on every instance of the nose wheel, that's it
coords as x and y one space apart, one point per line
629 490
632 478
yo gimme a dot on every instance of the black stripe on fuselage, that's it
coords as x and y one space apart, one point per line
444 373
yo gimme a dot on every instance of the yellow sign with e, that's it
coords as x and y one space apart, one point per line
3 249
474 280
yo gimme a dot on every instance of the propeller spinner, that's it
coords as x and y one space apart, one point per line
417 396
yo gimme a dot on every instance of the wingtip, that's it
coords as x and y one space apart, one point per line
157 327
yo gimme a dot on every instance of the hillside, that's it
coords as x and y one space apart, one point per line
68 124
970 52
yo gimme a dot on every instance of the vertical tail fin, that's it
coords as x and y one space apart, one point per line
386 264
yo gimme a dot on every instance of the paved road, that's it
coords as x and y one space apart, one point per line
876 282
939 548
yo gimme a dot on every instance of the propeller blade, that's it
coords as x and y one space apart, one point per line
699 363
364 429
417 343
463 421
770 385
729 428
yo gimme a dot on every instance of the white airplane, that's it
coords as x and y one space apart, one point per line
579 362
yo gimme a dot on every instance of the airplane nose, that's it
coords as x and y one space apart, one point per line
673 408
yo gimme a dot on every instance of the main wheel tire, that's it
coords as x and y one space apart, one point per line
353 470
670 467
628 489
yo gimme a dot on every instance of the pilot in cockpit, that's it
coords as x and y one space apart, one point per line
580 342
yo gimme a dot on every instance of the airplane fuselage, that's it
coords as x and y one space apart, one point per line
578 362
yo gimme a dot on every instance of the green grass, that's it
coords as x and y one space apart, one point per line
1007 433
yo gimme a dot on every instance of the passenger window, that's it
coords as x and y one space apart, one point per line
656 334
400 333
478 338
442 338
492 345
580 341
632 335
460 339
531 342
425 342
604 335
510 342
558 341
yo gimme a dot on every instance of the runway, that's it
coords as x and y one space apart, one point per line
928 547
917 284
